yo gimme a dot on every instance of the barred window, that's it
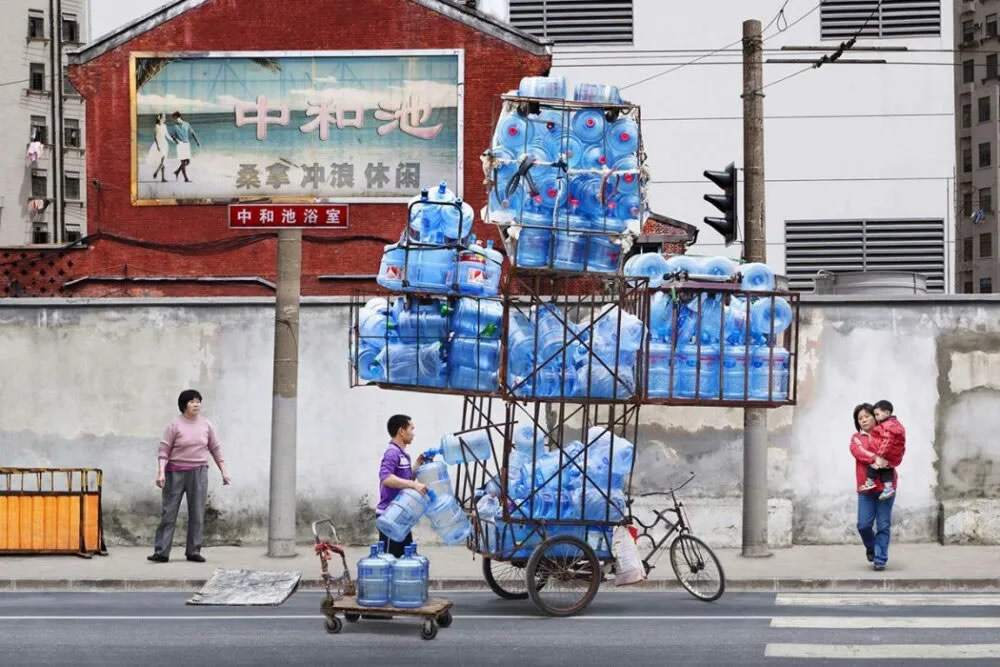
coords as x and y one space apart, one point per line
842 19
575 21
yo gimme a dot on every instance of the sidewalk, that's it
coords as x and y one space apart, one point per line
915 567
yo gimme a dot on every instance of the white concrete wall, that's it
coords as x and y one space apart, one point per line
92 383
918 150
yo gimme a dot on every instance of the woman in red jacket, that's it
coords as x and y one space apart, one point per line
871 510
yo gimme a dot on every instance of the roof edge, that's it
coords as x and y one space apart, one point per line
490 24
131 30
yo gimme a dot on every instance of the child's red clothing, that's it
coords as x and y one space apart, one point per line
889 440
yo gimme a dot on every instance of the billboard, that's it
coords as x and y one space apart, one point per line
361 126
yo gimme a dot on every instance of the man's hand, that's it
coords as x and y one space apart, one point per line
419 487
420 460
161 479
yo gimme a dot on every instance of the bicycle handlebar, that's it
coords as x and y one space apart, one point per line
670 491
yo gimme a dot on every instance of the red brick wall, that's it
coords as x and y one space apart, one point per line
491 67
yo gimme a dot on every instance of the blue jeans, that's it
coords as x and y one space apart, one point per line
871 511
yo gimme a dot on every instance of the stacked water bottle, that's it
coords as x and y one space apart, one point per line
430 342
574 483
723 333
438 252
567 180
550 356
385 580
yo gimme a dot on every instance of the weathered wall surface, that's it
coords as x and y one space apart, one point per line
93 383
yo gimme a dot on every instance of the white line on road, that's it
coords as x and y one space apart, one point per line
861 623
243 617
887 599
882 651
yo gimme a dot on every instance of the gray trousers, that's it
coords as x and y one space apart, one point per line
193 484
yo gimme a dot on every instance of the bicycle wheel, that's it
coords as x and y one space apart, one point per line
697 568
563 576
505 578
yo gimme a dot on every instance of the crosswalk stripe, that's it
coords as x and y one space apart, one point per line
887 599
882 651
862 623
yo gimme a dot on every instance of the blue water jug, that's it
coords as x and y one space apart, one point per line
475 353
392 270
711 323
488 509
757 277
588 125
614 323
494 269
551 504
682 264
529 438
397 362
374 580
603 382
736 321
368 367
521 345
551 87
569 251
596 92
387 557
435 269
477 447
548 473
594 157
604 255
425 220
574 150
435 475
432 370
472 272
622 139
401 515
447 518
456 221
703 371
627 207
471 379
649 265
722 267
549 125
764 311
413 325
514 133
477 318
598 505
377 327
427 570
761 369
627 177
661 316
586 190
658 383
734 372
408 584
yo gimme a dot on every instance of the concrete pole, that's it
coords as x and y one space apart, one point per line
281 506
754 250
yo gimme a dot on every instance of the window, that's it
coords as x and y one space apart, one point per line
967 203
967 250
991 66
39 129
991 25
72 186
36 77
903 244
575 21
842 19
39 234
984 109
984 155
968 31
968 71
39 184
966 159
71 130
70 28
985 245
986 200
73 234
966 115
968 287
36 24
68 87
985 285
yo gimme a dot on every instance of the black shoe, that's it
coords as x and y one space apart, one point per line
158 558
196 558
870 553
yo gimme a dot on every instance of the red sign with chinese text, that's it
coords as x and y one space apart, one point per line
280 216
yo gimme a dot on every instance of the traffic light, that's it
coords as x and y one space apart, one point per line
725 202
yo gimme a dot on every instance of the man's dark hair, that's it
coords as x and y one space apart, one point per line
858 409
397 422
177 114
884 405
186 396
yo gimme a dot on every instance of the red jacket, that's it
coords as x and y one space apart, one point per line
889 440
863 452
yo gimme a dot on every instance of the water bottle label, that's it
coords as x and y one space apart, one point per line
476 277
394 272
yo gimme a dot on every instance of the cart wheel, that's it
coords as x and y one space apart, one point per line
352 618
333 625
505 578
563 576
429 629
697 568
444 620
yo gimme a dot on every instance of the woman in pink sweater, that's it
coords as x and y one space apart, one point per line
187 444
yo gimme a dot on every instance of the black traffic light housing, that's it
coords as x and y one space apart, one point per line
726 202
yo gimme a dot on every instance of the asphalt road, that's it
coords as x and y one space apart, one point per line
624 628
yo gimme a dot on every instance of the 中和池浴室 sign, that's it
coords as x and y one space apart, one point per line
358 126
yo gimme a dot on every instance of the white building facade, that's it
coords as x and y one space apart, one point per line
859 158
42 186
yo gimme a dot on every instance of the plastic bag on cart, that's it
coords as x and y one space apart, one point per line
628 564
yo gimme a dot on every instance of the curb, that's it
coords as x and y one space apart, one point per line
763 584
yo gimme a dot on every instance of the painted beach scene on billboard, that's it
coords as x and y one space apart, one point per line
312 127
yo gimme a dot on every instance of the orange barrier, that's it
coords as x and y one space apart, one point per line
51 510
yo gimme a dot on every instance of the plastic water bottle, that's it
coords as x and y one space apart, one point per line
596 92
434 474
734 369
471 379
649 265
722 267
628 207
477 447
520 345
586 190
413 325
761 369
475 353
661 317
628 181
472 272
488 506
622 139
398 362
401 515
704 372
736 321
494 269
594 157
533 248
604 255
425 219
374 580
427 569
682 264
408 581
447 518
549 126
377 327
528 438
574 150
617 465
658 383
605 383
710 307
514 133
614 323
392 270
552 87
456 220
598 505
432 371
477 318
569 251
435 269
757 277
762 313
588 125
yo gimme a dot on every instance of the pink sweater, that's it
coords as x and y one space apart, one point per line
187 443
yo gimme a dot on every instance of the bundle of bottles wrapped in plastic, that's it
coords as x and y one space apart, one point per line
430 342
566 180
384 579
438 252
715 330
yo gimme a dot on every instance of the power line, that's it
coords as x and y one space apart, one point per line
938 114
12 83
858 179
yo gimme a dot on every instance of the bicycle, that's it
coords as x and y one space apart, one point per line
700 573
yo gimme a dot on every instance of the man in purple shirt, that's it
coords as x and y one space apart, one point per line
395 473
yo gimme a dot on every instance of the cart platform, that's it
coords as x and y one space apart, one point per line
436 612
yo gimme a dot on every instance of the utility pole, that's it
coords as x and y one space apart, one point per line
284 406
754 250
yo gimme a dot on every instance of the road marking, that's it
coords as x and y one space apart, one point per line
882 651
861 623
887 599
242 617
